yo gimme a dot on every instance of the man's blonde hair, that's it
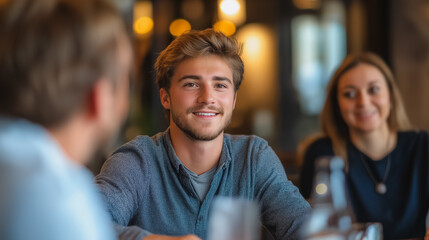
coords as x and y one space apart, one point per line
199 43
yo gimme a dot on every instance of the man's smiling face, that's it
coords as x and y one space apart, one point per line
201 97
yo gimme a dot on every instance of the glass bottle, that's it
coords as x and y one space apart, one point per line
331 217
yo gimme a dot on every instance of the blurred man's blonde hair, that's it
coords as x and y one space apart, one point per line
51 54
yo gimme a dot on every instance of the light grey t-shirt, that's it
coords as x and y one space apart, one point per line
201 183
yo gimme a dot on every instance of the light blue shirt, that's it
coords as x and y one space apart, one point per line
43 194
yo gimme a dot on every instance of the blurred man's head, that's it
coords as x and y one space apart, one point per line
63 58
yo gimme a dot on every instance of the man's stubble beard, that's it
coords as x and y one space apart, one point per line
193 133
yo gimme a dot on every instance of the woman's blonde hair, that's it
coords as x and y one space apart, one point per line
332 123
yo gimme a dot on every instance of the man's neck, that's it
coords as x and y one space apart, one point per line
74 139
198 156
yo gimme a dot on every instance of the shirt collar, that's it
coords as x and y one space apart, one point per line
224 161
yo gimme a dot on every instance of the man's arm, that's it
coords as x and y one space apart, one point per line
122 180
283 208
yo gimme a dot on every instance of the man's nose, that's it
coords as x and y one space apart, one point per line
206 95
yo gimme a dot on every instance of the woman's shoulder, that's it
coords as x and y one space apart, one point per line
315 146
320 143
412 135
416 132
413 140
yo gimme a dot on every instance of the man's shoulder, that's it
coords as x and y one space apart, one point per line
51 196
146 142
140 151
245 141
247 146
28 147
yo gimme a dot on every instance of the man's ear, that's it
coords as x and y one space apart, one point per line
165 98
99 100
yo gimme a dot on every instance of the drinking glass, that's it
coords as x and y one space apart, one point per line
234 219
366 231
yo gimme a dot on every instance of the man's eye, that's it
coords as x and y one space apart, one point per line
190 84
219 85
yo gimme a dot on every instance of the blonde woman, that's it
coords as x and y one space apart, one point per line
364 122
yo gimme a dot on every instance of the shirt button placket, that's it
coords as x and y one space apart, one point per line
200 226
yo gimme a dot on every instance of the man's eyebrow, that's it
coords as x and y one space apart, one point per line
196 77
218 78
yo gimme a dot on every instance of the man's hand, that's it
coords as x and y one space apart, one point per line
163 237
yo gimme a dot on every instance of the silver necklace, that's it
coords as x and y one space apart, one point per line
380 187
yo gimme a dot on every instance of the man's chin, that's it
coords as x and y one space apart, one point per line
199 136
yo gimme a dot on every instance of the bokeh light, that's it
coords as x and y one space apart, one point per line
321 188
143 25
179 26
230 7
226 27
307 4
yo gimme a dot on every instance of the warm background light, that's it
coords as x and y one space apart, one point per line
307 4
179 26
143 22
143 25
259 94
226 27
232 10
230 7
321 188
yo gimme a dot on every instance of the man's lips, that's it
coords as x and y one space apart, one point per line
205 114
207 111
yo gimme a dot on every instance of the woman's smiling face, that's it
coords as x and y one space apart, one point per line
363 98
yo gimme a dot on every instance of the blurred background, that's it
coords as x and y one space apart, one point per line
291 48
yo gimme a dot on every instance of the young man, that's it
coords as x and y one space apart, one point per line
165 184
64 68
